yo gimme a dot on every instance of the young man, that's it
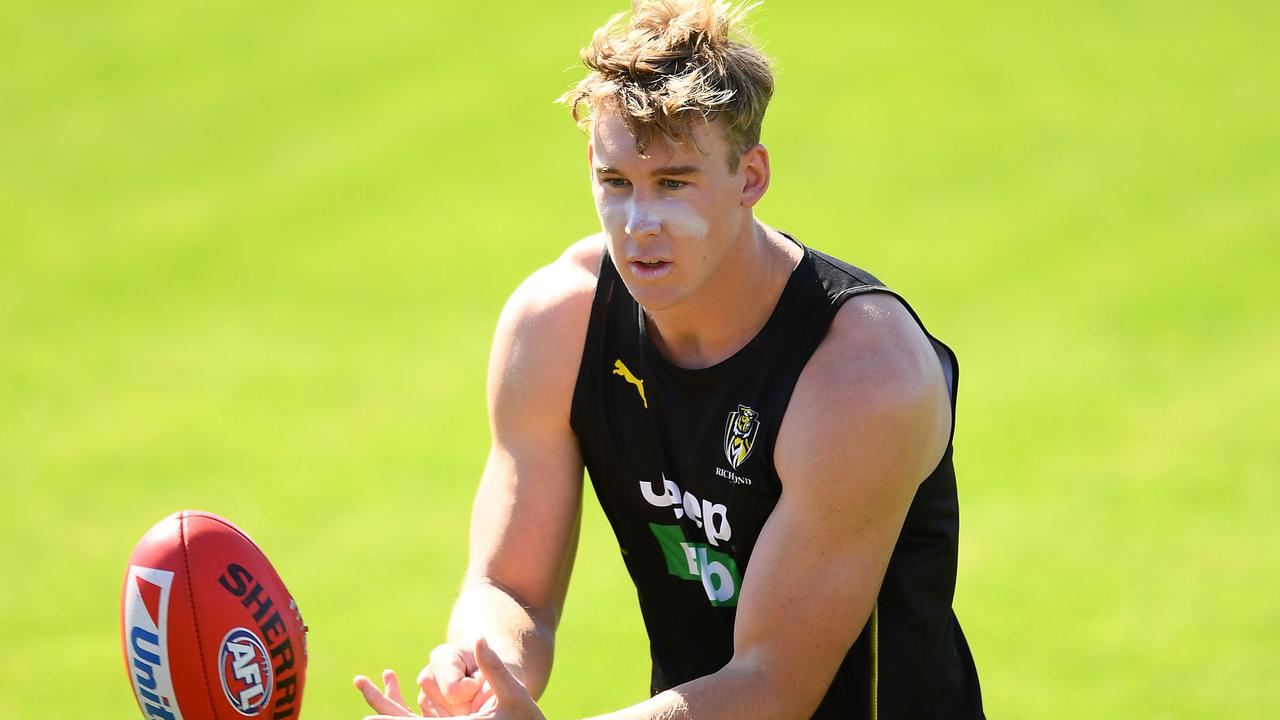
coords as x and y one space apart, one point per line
767 429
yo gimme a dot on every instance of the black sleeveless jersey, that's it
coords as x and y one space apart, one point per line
682 463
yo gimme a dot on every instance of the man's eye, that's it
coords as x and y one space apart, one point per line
614 182
673 184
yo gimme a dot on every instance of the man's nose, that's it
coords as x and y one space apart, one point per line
641 221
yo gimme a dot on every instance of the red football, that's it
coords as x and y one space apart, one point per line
209 630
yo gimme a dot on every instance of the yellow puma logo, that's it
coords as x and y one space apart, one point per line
625 372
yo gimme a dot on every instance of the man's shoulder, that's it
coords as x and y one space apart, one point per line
540 336
874 353
875 330
874 377
585 254
874 343
543 326
562 290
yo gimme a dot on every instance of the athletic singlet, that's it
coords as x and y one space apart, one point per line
682 463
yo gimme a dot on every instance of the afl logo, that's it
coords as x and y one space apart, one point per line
245 669
740 434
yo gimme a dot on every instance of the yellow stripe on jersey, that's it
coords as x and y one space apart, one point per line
875 661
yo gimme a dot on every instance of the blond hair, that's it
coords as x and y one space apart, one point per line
670 62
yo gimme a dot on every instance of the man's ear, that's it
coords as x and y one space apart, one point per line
753 170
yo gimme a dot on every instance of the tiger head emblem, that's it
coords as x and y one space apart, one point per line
740 434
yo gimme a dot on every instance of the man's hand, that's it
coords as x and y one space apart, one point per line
389 702
451 683
506 697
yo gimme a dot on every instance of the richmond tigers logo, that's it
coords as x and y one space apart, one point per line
740 434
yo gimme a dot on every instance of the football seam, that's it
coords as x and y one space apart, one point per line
228 525
270 568
195 619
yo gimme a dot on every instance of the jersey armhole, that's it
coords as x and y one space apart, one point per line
585 387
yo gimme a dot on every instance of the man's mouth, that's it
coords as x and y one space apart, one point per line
649 267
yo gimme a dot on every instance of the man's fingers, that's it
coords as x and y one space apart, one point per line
451 671
378 702
488 704
393 688
461 692
447 664
505 685
430 699
432 707
484 698
402 718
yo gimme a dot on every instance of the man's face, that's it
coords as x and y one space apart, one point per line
671 218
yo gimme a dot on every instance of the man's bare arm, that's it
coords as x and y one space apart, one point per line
525 517
526 513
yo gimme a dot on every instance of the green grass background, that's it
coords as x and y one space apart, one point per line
251 256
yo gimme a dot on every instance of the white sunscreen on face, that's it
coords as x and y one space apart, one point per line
681 220
670 217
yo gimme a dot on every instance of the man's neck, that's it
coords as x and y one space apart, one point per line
732 307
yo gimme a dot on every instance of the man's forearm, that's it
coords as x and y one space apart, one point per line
522 638
739 690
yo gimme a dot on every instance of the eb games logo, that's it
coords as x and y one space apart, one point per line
245 669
